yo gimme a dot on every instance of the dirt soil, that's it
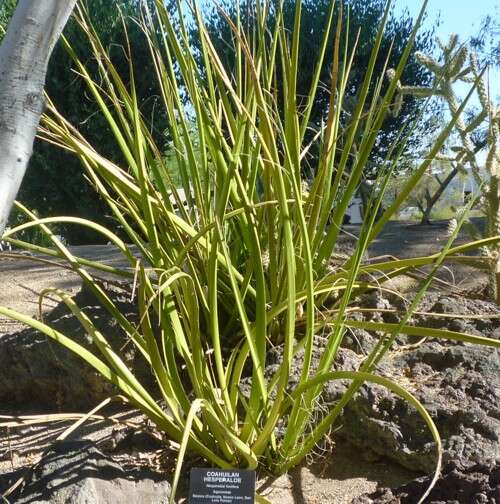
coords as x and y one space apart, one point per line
405 239
22 279
338 478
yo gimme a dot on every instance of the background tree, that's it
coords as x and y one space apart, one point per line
455 64
7 8
487 41
54 184
364 17
477 131
432 188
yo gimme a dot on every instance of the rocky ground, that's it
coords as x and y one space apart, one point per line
459 482
381 444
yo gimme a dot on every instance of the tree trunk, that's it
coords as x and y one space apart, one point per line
24 55
425 214
432 200
426 217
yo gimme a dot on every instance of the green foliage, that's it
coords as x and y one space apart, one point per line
7 8
32 235
54 183
487 41
245 265
431 183
364 18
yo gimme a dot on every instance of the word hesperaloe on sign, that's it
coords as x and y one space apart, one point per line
211 486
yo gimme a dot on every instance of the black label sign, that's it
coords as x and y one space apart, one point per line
219 486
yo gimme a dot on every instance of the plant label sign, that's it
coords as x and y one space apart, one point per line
219 486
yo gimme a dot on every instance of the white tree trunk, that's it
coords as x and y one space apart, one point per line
24 54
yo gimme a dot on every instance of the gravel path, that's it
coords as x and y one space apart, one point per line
405 239
22 280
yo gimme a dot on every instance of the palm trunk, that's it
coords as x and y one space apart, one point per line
24 56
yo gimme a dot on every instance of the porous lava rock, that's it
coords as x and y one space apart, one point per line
459 484
36 370
458 383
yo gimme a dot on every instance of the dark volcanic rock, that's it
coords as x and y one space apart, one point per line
458 383
36 370
132 440
459 306
459 484
460 388
347 360
77 472
358 340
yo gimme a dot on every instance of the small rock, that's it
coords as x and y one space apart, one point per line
132 440
77 472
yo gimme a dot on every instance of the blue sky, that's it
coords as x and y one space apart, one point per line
457 16
462 17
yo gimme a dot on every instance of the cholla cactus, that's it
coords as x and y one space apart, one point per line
492 198
452 226
460 64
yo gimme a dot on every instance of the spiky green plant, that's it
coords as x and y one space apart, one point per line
241 264
459 64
